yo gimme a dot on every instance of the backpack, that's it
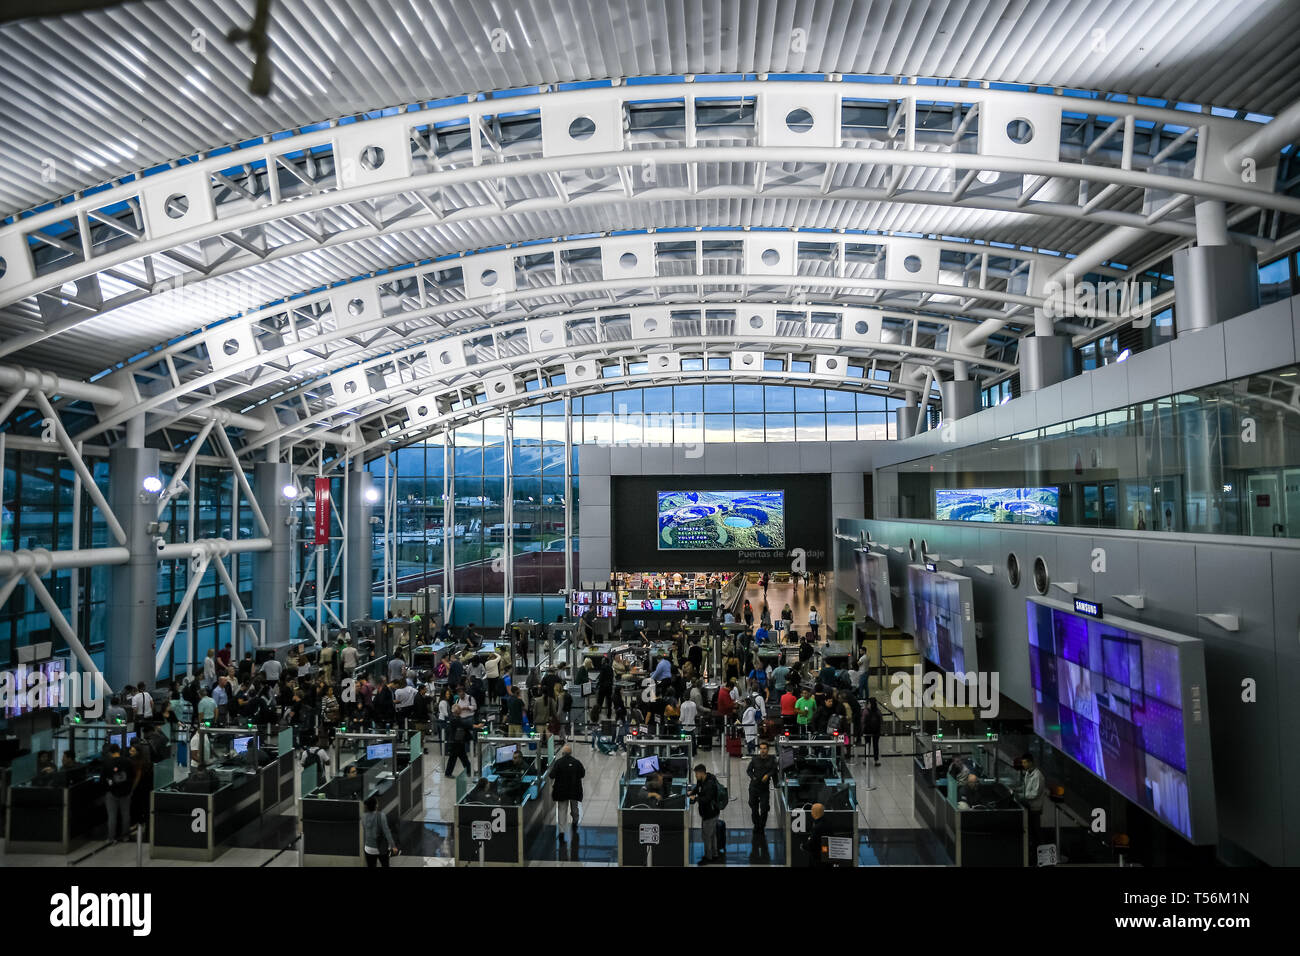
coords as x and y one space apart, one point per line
833 725
723 796
159 748
313 759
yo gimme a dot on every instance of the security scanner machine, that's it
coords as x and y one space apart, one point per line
236 775
965 799
383 766
507 804
654 820
52 808
811 772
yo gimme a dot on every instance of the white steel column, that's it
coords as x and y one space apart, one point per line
448 524
508 518
568 496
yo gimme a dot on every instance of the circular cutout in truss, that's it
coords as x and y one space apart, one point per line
663 361
832 364
988 176
67 291
747 360
3 267
650 325
798 121
1020 131
771 257
582 128
372 157
176 206
445 358
350 387
580 371
547 336
861 327
912 263
499 387
422 411
628 260
356 307
230 346
488 277
755 321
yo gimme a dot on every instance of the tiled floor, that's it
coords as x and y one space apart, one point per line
890 832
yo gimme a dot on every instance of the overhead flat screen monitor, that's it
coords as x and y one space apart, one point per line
1127 701
647 765
34 686
721 520
873 583
240 744
506 754
1002 505
606 597
581 597
943 618
379 751
606 610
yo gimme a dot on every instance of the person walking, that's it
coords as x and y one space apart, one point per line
457 741
119 775
872 722
379 843
566 788
762 776
604 687
814 621
705 797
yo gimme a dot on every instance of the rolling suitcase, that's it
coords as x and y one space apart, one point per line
735 737
704 734
722 836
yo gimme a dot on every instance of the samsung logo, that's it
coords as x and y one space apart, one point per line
1088 608
74 910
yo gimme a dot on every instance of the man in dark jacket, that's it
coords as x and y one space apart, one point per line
872 722
762 774
604 686
566 786
705 796
817 832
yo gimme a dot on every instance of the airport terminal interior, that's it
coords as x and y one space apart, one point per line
650 433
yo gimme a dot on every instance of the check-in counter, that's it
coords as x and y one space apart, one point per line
248 771
811 773
653 832
496 814
55 810
984 826
332 812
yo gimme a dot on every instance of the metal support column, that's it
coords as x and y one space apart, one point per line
448 525
273 570
508 519
133 598
360 547
568 496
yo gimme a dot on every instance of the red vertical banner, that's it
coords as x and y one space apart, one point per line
322 511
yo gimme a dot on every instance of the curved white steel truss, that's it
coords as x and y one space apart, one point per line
940 283
1045 155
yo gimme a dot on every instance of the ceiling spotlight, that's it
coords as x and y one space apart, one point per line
290 491
152 484
372 494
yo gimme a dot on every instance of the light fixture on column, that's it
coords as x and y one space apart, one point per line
152 484
372 494
290 491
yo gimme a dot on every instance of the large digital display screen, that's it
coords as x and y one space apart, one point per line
943 618
1127 702
873 583
721 520
1002 505
33 686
